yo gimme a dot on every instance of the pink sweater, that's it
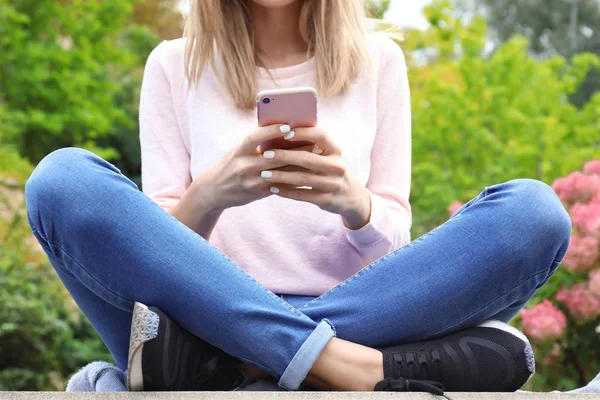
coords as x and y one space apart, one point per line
290 247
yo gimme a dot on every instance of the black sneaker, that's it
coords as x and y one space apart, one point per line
491 357
165 357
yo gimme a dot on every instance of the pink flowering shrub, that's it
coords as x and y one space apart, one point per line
563 320
582 254
577 187
582 303
592 168
594 283
544 322
586 218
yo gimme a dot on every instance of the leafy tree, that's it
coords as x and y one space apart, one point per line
480 120
67 74
553 27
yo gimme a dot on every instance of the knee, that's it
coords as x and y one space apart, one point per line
56 180
542 215
55 173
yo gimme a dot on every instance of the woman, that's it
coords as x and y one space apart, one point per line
248 275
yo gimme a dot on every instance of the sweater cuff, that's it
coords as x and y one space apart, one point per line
374 230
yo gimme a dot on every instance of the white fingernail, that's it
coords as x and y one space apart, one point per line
285 128
317 150
269 154
274 189
290 135
266 174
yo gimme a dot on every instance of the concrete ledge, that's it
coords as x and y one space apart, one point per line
289 396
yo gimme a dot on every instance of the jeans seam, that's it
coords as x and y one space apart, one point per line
486 305
373 264
279 299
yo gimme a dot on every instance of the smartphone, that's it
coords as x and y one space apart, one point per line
296 107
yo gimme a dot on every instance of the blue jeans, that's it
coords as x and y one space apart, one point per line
111 245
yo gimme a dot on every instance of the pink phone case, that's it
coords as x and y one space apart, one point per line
295 107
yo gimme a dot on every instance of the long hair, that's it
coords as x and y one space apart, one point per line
333 29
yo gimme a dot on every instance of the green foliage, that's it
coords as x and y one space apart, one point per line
41 340
554 27
480 120
69 76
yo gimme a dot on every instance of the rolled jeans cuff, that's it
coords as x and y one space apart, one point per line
296 371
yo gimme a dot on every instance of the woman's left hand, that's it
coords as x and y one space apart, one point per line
323 170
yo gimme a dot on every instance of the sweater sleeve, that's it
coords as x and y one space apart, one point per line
390 175
165 158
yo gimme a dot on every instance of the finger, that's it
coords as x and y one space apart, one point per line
321 199
308 148
261 135
303 179
317 136
310 161
282 143
290 168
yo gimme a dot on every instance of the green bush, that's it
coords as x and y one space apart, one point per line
42 341
43 336
70 72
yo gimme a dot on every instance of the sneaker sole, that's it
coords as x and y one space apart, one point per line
144 327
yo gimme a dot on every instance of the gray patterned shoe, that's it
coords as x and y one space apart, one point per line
165 357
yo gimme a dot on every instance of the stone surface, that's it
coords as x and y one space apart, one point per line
289 396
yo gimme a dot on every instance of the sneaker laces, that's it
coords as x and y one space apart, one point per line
408 385
423 366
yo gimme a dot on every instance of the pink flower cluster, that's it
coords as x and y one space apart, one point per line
582 254
581 193
594 282
577 187
544 322
586 218
592 168
582 303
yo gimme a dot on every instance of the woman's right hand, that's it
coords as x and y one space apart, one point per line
236 179
233 181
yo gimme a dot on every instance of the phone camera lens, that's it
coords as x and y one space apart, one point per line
266 100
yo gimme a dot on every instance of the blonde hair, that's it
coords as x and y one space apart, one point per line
333 29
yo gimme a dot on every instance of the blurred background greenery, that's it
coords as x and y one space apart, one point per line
501 89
